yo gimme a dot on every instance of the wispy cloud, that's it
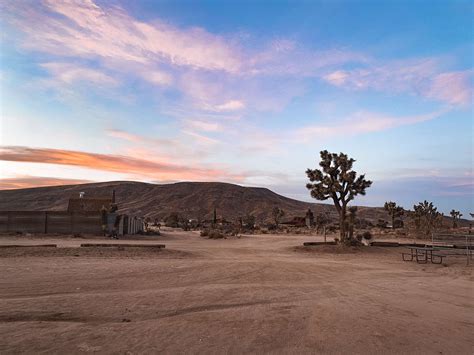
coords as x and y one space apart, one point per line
69 73
205 126
83 29
359 123
160 170
417 77
185 148
215 73
157 77
24 182
231 105
453 87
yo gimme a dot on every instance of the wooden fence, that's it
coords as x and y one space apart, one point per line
62 222
50 222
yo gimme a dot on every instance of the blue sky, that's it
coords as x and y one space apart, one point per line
246 92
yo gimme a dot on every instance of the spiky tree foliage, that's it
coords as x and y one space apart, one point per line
277 214
337 181
394 211
456 217
426 216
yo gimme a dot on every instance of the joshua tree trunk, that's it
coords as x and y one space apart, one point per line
393 220
342 216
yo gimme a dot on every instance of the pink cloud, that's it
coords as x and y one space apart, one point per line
419 77
201 139
361 122
216 73
231 105
185 148
161 170
24 182
453 87
157 77
205 126
84 29
70 73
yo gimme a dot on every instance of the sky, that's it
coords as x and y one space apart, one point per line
245 92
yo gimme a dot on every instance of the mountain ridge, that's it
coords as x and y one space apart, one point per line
190 199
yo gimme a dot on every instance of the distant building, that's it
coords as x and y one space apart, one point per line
83 215
295 222
89 204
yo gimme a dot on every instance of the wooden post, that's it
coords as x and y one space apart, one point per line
324 231
45 222
9 220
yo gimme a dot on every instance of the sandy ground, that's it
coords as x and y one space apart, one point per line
256 294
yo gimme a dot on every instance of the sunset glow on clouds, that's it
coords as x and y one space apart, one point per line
159 91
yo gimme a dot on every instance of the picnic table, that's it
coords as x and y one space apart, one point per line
443 245
422 255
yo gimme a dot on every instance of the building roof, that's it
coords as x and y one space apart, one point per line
88 204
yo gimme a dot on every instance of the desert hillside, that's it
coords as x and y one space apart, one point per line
191 199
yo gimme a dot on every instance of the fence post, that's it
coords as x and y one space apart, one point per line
45 222
9 217
468 251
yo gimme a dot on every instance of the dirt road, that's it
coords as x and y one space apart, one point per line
257 294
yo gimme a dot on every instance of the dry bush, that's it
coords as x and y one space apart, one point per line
215 234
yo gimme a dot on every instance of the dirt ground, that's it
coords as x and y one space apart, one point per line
256 294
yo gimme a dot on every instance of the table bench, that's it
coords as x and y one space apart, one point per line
442 246
422 255
460 245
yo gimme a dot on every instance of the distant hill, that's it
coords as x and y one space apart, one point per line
190 199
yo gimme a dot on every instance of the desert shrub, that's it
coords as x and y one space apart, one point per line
215 234
185 225
398 223
366 235
332 228
272 227
354 242
248 222
172 220
362 223
204 233
277 214
382 223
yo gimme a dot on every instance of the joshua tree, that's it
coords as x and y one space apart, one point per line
249 221
456 217
322 220
394 211
351 222
426 216
277 213
214 217
337 180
